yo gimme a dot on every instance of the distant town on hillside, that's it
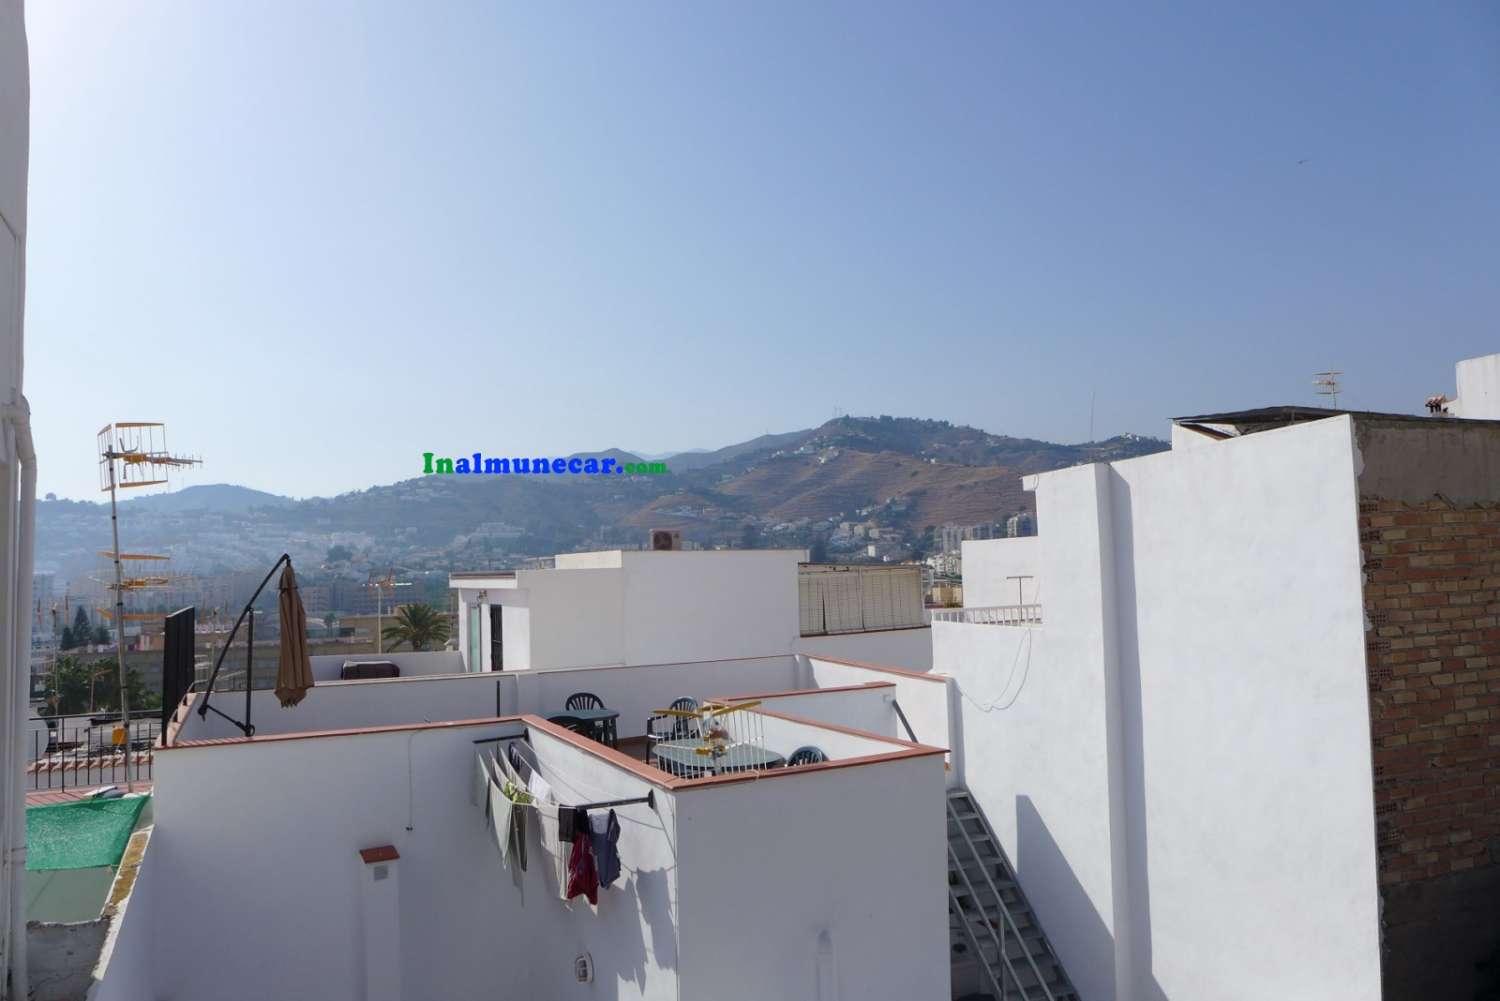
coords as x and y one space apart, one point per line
856 489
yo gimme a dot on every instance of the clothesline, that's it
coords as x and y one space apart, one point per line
649 799
593 863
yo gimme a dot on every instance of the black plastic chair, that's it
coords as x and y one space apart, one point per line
588 700
677 727
806 756
684 729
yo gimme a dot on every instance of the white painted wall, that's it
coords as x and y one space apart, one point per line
846 854
613 607
259 843
255 878
337 705
784 734
924 698
1478 389
635 691
126 963
869 709
15 563
706 605
1179 762
1183 437
576 618
910 649
326 667
988 562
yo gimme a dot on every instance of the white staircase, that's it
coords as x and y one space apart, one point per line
998 946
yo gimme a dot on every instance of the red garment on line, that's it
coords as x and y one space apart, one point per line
583 874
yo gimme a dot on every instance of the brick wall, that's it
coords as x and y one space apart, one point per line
1432 595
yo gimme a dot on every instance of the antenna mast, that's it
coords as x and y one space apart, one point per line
131 454
1328 385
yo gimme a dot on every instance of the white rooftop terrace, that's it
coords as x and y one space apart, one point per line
791 882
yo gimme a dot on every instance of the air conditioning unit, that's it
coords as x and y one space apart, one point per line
665 540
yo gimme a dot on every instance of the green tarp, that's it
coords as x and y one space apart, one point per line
81 834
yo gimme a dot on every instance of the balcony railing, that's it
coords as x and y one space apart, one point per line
991 615
84 751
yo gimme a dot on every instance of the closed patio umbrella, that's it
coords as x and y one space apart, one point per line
293 668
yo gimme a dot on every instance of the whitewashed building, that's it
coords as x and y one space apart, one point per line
17 498
623 607
365 869
1241 741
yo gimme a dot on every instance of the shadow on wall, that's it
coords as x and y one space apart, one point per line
646 895
1134 884
1039 856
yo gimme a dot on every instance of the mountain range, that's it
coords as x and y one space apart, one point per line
904 475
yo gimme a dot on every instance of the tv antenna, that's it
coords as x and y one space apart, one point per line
380 585
1328 385
131 454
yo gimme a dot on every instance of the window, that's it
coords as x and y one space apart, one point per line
475 649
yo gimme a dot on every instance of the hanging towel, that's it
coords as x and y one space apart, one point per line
604 833
583 876
539 789
479 792
552 847
519 800
500 822
565 816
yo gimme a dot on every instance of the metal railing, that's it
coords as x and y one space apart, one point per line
76 752
698 746
991 615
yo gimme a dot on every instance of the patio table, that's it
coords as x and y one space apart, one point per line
603 721
681 758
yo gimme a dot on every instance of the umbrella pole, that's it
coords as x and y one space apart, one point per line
249 667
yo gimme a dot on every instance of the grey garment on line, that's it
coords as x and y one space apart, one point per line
604 832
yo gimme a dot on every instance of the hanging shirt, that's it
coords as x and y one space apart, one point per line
518 799
604 833
583 877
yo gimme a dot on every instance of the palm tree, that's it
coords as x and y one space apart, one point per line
416 626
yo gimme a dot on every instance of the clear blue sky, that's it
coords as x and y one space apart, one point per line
321 238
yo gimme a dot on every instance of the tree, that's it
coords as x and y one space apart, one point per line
67 642
102 636
417 626
70 686
82 628
340 554
819 551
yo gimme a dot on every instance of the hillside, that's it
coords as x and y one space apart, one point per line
902 475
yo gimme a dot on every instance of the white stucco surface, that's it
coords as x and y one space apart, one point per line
250 831
989 562
836 854
905 648
255 855
326 667
634 691
1178 763
870 709
923 697
613 608
1478 388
